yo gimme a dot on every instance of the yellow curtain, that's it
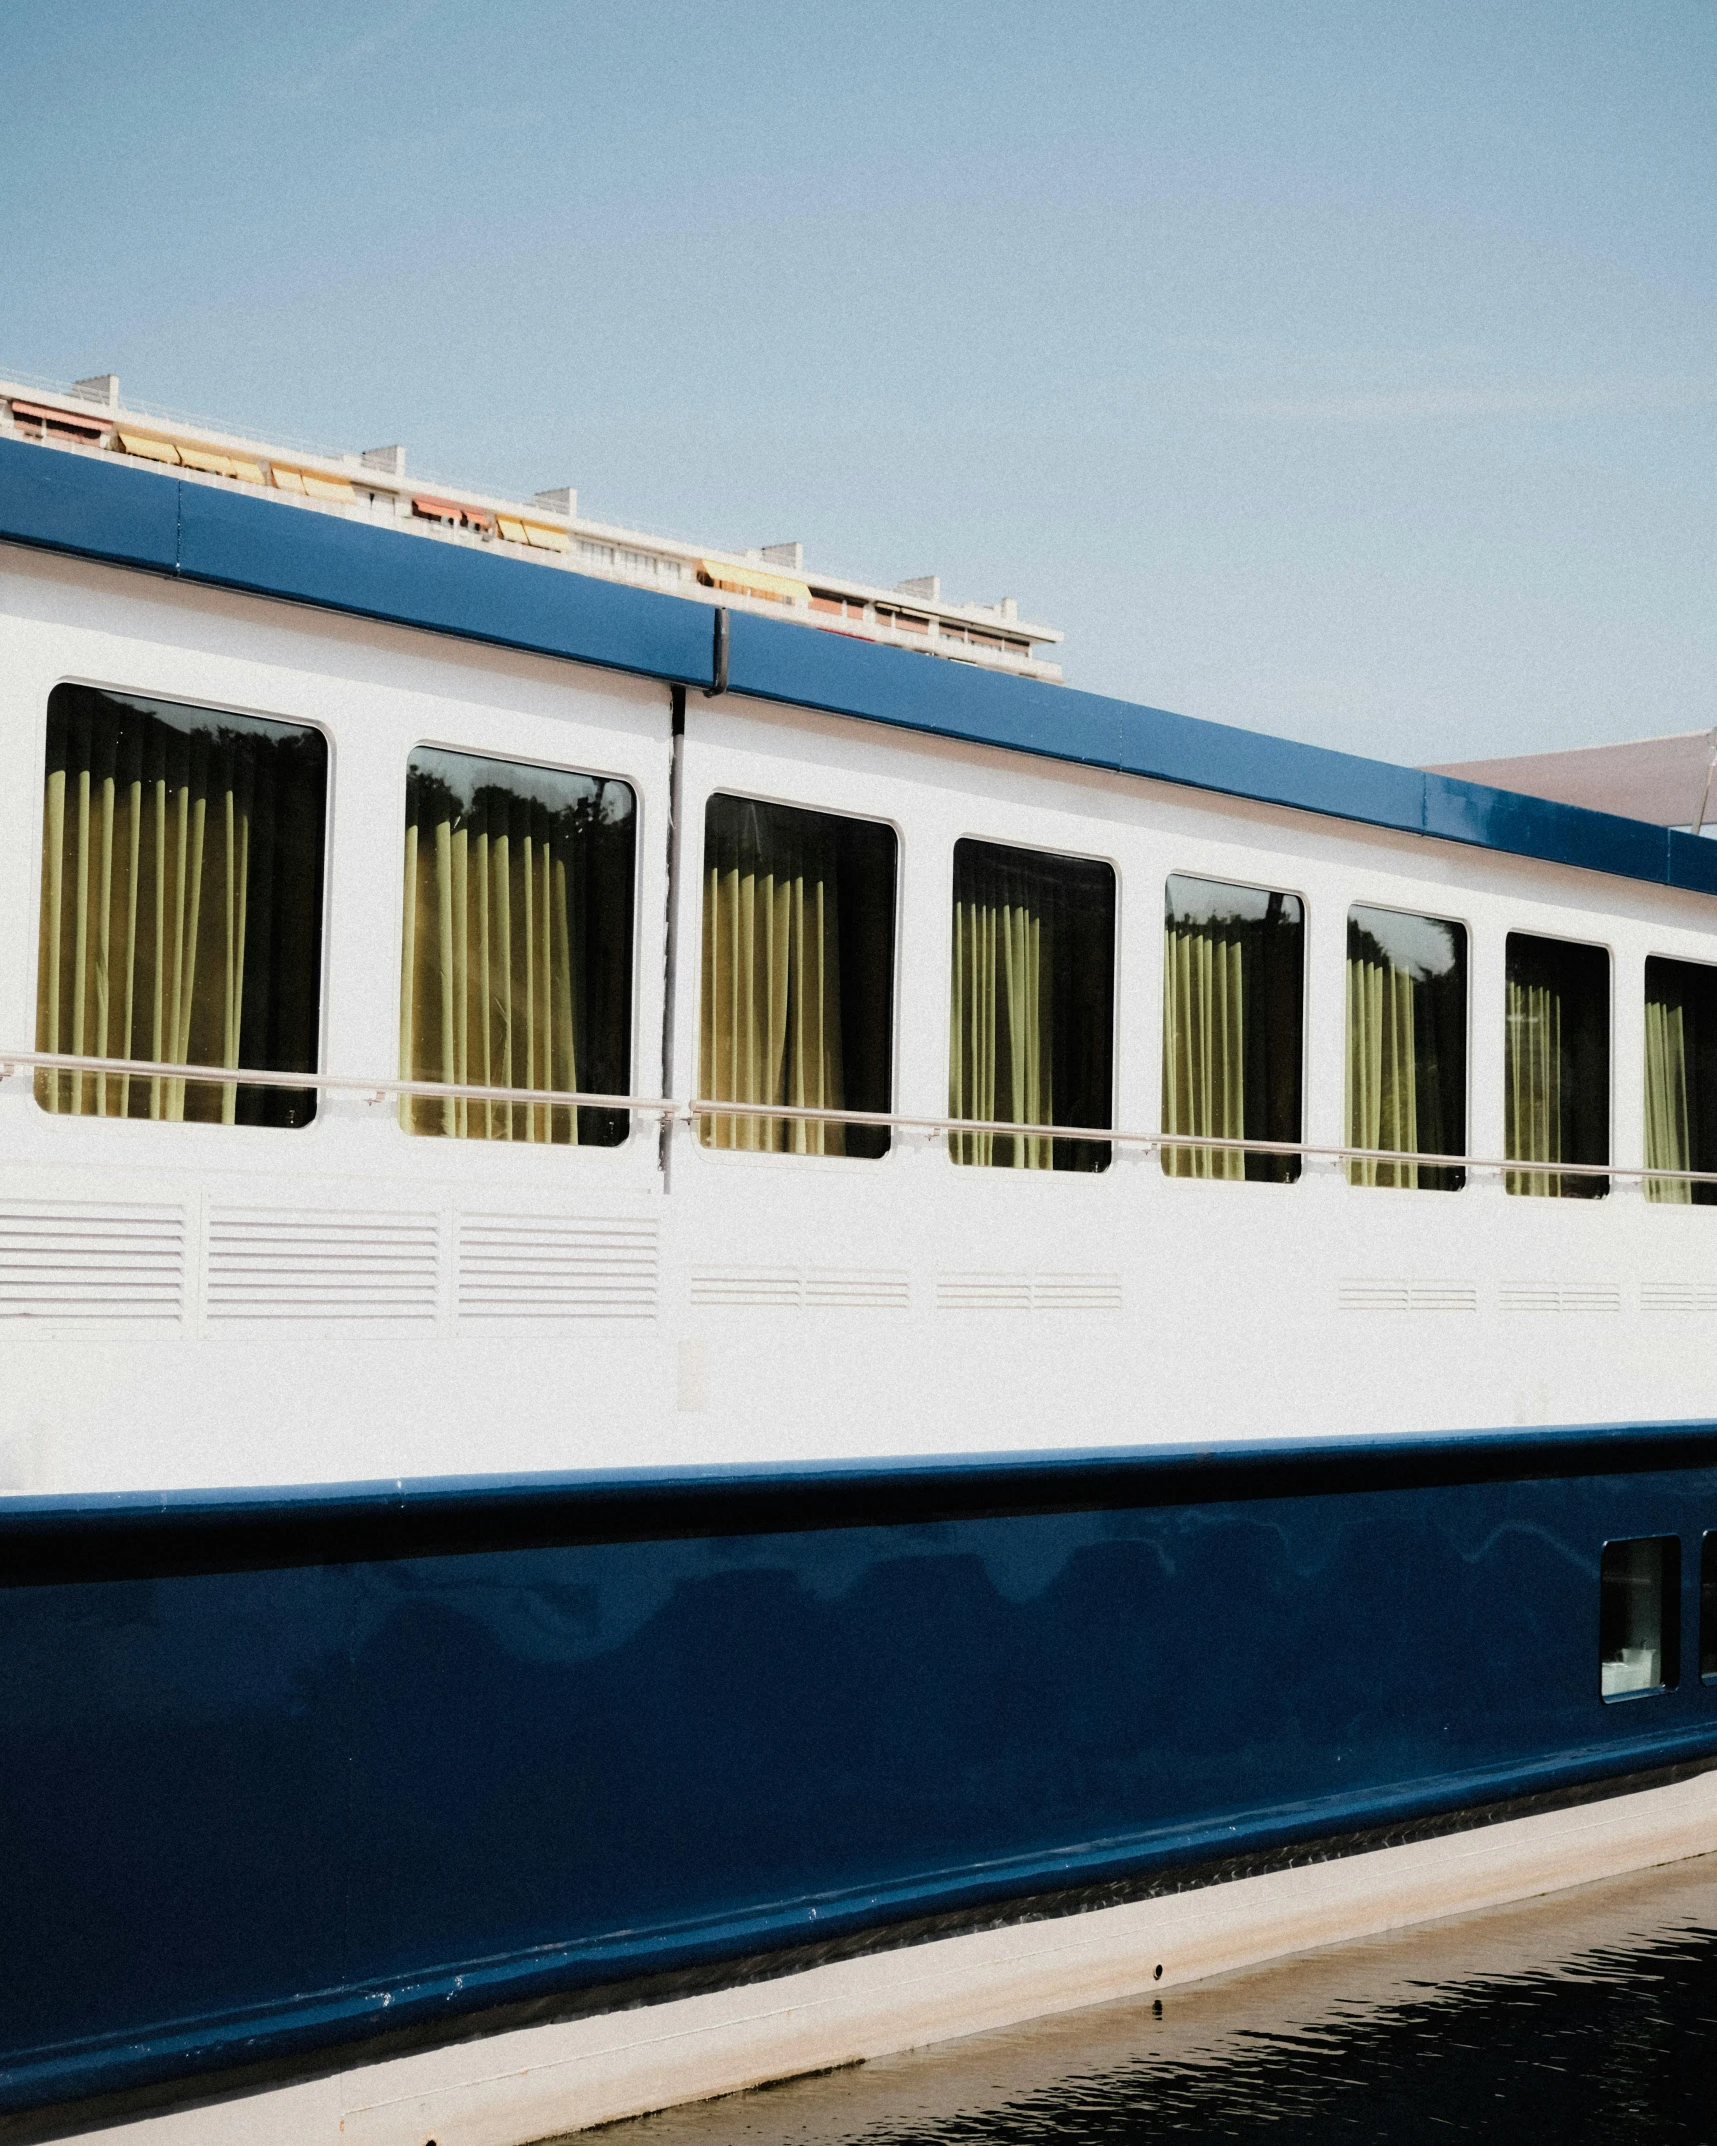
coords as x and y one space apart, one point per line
1204 1046
1000 1013
145 882
1668 1145
1532 1100
1382 1069
486 971
770 1017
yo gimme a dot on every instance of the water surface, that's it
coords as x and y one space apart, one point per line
1588 2016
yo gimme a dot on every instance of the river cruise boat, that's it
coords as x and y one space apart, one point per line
733 1336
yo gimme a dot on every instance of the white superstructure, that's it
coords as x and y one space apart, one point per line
225 1304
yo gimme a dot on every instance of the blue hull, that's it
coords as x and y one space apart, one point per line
282 1771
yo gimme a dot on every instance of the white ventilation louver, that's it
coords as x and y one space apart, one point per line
1561 1296
1445 1296
982 1291
858 1289
1600 1296
807 1289
545 1267
1371 1294
765 1288
87 1261
1678 1296
283 1265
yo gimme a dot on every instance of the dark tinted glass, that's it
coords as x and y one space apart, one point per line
1639 1623
181 906
797 1001
1708 1607
1680 1079
517 962
1033 1004
1406 1045
1234 968
1556 1098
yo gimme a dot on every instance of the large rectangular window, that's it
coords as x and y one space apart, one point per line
1680 1078
181 906
516 966
1031 1005
1556 1097
1233 988
1406 1045
797 1006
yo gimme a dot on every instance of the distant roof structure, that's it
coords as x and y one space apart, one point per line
89 419
1670 782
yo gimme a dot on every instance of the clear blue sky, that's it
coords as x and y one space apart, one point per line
1344 371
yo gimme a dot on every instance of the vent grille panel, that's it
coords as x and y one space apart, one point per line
1370 1293
1531 1296
527 1267
1444 1296
974 1291
858 1289
1561 1296
92 1262
1678 1296
760 1288
284 1266
983 1292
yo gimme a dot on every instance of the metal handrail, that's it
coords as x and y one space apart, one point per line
333 1083
688 1111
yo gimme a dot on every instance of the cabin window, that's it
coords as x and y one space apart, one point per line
1406 1046
1708 1609
516 964
181 907
1639 1624
797 1005
1233 990
1556 1101
1032 1005
1680 1079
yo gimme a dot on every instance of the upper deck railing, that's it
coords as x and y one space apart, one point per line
688 1110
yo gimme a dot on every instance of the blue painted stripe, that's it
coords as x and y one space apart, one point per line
103 509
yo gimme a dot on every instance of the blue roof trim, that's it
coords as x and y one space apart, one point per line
101 509
276 550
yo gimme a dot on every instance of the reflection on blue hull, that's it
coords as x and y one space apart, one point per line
252 1803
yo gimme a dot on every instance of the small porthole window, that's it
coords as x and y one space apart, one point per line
1708 1609
1638 1622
